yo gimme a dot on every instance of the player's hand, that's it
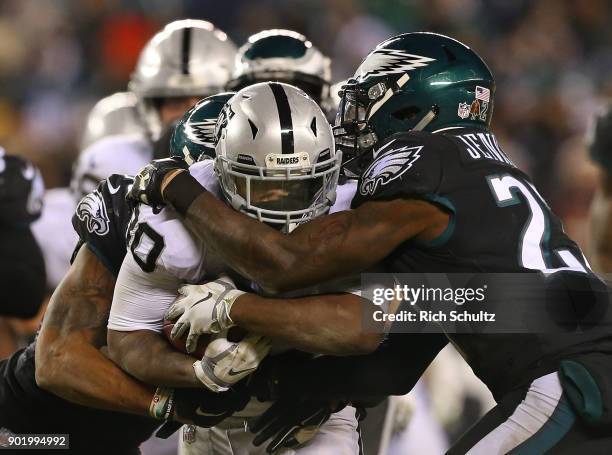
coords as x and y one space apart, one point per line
226 362
203 309
199 407
292 422
147 187
267 382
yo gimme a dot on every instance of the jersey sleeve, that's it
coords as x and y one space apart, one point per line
21 191
141 299
404 165
160 239
101 220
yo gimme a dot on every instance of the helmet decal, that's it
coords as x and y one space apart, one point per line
193 137
382 62
203 132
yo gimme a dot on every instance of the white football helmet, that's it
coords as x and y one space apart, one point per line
187 58
114 114
283 56
276 158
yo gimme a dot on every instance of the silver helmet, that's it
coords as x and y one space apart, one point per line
187 58
283 56
276 158
114 114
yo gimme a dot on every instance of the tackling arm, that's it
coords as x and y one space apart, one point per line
393 369
325 324
135 338
68 358
328 247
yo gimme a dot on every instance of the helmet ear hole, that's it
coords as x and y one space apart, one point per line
254 129
449 54
407 113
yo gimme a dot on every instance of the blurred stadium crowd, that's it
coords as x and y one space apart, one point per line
549 58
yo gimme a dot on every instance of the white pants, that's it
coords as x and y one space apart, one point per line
337 436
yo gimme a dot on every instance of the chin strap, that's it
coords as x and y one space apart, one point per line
427 119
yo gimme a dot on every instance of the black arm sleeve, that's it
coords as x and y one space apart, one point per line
393 369
22 273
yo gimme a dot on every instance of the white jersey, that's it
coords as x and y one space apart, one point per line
120 154
165 254
54 233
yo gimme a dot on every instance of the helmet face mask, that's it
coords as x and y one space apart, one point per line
276 158
282 198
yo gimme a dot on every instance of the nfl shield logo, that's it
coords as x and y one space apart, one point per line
463 111
189 434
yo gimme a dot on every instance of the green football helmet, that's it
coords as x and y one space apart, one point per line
194 135
282 56
414 81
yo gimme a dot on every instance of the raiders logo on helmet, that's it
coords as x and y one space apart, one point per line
92 211
388 166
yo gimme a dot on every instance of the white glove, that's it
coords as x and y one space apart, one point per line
225 362
203 309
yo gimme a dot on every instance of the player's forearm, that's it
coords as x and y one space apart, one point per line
149 357
253 249
323 249
77 371
329 324
68 361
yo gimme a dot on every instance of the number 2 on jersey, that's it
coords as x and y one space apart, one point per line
505 189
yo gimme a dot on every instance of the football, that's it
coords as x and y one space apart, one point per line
234 334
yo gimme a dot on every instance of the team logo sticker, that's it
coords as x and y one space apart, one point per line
203 132
92 211
383 62
388 166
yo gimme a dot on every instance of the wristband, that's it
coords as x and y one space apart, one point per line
182 191
162 404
